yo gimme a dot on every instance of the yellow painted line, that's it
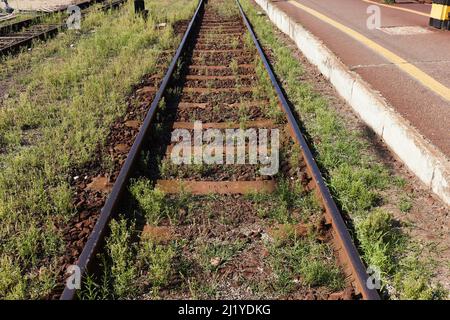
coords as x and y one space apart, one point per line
398 8
404 65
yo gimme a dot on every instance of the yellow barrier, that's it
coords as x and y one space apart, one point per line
440 14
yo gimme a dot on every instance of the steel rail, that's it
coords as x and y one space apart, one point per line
51 30
352 257
92 246
109 209
27 40
19 25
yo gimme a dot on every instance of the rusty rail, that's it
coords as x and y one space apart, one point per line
348 253
97 235
352 261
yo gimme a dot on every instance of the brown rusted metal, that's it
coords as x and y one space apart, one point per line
197 105
343 243
349 255
217 90
226 125
244 65
217 187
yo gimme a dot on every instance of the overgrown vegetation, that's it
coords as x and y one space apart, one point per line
51 123
308 260
61 100
214 255
288 204
128 267
226 9
154 205
211 246
356 179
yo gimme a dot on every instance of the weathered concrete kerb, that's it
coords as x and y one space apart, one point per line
428 163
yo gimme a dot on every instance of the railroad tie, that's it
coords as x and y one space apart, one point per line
264 124
216 187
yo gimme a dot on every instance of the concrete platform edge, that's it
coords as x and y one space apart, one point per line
428 163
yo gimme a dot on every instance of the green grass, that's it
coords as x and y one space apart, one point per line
405 204
225 9
288 204
118 266
265 89
129 267
62 98
157 261
154 205
200 290
123 272
308 260
357 181
150 200
212 256
412 282
380 240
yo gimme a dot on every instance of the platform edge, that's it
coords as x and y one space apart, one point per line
428 163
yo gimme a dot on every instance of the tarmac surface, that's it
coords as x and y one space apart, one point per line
407 61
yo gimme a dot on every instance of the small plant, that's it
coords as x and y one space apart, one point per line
405 204
150 200
118 246
166 167
243 114
414 283
379 239
12 284
357 187
90 290
157 261
202 58
235 43
226 9
307 259
287 198
234 66
214 255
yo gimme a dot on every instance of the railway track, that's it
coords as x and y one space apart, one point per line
20 34
239 216
18 23
6 17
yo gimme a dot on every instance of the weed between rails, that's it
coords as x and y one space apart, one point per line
356 180
199 246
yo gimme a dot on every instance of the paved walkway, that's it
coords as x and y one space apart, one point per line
407 61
